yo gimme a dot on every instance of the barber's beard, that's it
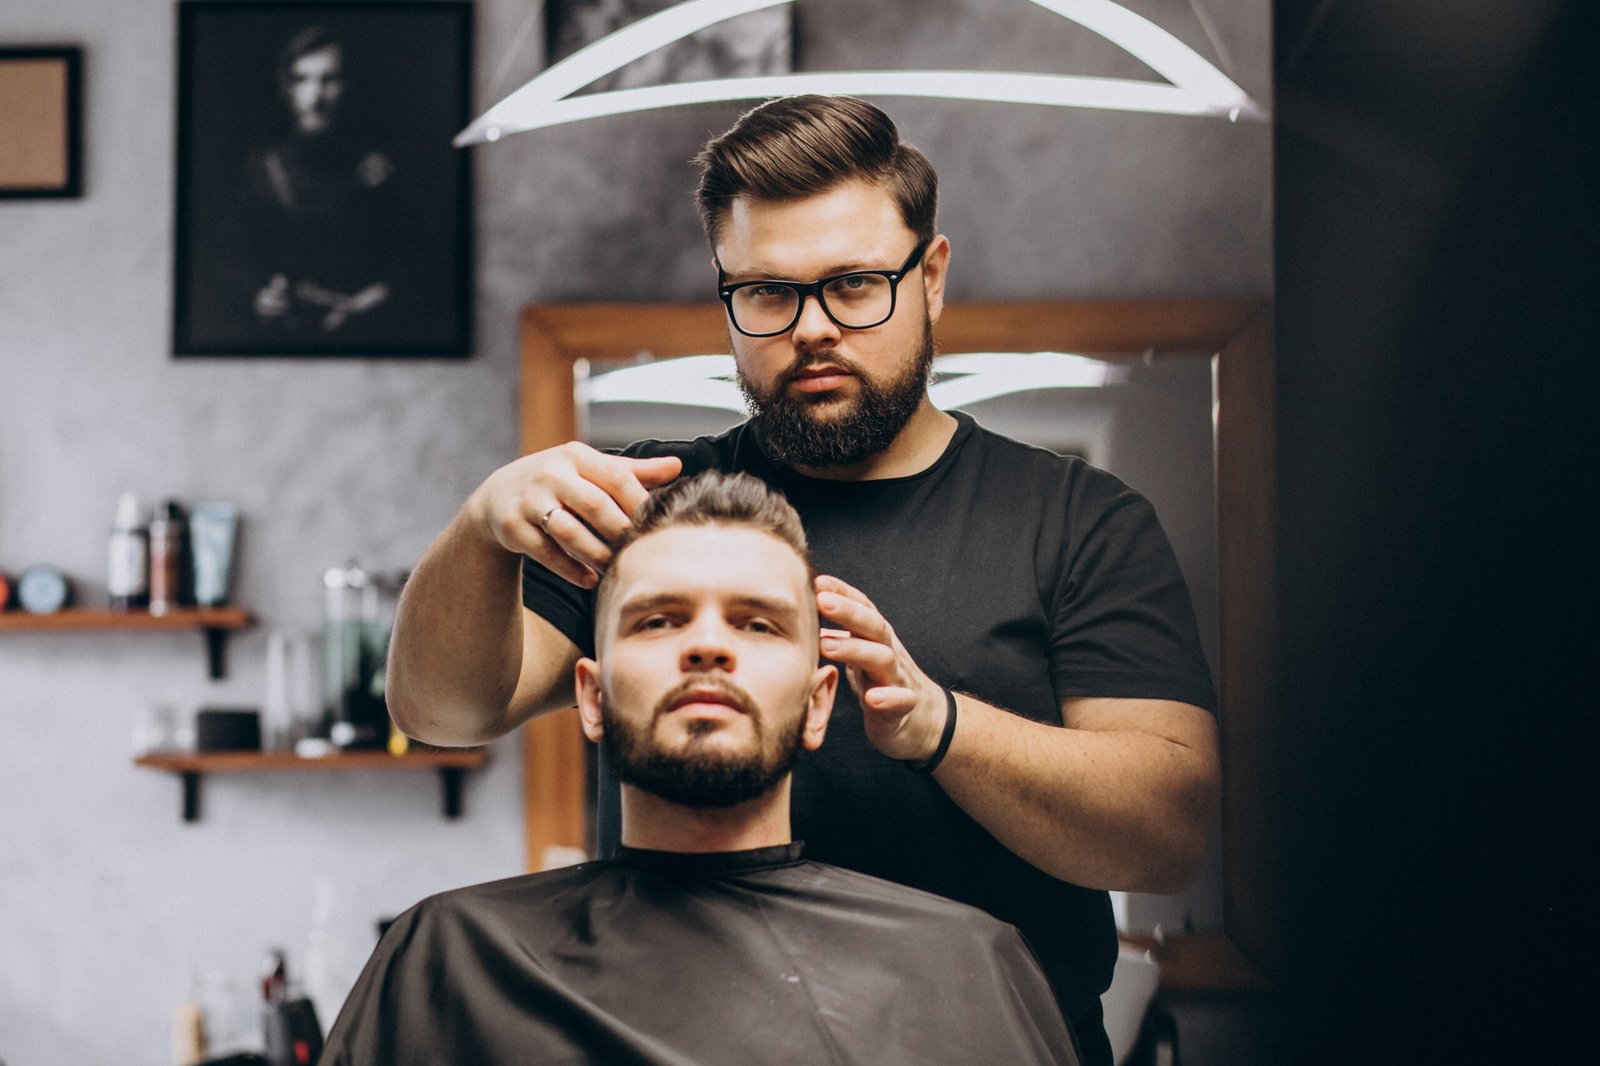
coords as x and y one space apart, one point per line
698 775
792 433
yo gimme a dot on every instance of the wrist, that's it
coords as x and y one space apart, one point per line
941 746
476 519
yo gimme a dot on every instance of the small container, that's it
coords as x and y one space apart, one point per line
158 730
169 535
128 557
227 729
277 719
356 719
44 589
213 528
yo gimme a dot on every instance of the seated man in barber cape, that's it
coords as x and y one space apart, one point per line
710 937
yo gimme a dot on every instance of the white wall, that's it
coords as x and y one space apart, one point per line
107 902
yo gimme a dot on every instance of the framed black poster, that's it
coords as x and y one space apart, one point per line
321 210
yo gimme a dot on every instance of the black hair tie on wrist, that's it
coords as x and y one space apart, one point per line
944 741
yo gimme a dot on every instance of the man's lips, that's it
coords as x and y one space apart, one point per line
819 378
705 701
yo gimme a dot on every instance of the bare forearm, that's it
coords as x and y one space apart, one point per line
1122 797
1103 808
467 663
456 654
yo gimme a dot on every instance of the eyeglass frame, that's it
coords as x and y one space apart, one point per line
814 288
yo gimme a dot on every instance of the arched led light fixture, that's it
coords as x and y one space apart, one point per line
968 378
1194 86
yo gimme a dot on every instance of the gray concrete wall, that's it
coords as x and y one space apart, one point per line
108 903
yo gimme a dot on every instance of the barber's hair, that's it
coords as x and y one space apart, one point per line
799 146
713 499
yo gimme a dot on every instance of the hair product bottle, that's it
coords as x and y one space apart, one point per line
168 534
128 570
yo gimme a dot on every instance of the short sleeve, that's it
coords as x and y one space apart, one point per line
1123 622
564 605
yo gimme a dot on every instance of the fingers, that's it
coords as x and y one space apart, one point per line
564 536
554 557
853 612
889 700
829 583
620 486
566 506
872 658
588 507
653 473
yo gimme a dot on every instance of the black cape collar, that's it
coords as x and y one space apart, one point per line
713 863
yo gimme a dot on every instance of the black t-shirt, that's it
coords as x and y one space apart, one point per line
1010 573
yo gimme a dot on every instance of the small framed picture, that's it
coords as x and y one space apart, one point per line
321 209
41 122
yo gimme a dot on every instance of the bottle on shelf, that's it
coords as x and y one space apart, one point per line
128 570
168 538
190 1042
357 719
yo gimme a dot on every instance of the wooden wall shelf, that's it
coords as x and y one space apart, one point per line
214 622
1204 963
191 766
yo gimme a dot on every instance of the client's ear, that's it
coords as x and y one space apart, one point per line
819 705
586 680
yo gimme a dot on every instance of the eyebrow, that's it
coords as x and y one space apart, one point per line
832 271
658 600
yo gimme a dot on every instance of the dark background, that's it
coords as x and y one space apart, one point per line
1436 347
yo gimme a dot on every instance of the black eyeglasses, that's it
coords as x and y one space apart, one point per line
857 299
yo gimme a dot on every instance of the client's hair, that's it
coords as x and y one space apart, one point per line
714 499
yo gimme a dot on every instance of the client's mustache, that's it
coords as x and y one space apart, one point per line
737 697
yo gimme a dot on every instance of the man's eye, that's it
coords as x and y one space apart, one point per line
760 625
654 621
770 293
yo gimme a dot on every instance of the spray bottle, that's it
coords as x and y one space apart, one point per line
128 572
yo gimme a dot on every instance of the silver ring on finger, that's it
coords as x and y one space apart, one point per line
544 523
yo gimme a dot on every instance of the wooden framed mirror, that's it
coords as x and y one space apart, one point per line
1237 333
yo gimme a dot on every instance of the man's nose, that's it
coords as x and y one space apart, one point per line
707 647
814 328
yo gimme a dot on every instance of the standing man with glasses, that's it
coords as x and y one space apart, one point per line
1029 718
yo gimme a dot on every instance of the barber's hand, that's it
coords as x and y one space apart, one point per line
902 708
566 506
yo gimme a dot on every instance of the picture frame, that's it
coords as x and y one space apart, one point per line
321 210
41 122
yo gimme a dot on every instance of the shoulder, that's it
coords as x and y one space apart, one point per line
1014 466
902 908
508 899
732 449
978 442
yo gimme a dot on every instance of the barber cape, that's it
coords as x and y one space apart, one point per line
695 960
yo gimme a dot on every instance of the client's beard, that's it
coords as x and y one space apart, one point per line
698 777
790 433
